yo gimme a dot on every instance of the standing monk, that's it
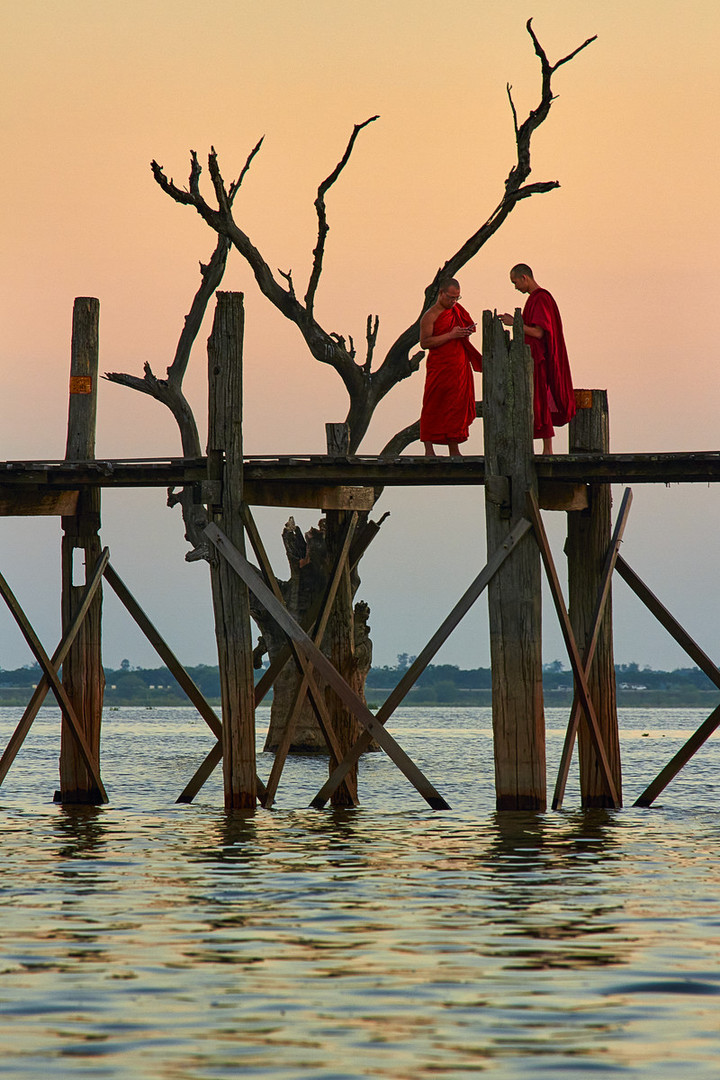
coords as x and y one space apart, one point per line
448 407
553 397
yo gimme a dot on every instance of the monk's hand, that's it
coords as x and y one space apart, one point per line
506 319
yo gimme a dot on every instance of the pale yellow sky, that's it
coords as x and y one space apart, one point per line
91 92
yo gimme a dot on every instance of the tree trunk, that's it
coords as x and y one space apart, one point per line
310 569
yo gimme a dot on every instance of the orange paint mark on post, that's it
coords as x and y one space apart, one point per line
81 384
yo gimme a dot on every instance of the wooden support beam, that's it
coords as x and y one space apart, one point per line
308 680
676 763
41 690
252 579
359 546
581 687
588 537
591 641
417 667
16 502
698 656
168 657
514 592
82 672
554 495
314 496
49 670
231 602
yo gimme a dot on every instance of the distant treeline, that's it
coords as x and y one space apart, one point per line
439 684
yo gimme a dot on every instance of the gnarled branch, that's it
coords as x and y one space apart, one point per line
323 226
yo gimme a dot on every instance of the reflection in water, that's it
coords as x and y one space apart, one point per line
149 939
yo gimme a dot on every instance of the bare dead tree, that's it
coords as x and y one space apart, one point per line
169 391
366 387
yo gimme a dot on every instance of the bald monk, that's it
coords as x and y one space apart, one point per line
448 407
553 396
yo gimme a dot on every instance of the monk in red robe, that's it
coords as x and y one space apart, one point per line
553 396
448 407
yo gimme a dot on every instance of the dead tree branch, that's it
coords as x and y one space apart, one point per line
169 390
365 387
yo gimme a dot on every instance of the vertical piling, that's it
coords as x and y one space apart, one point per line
82 671
231 602
514 592
588 538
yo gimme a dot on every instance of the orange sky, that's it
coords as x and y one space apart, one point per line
628 245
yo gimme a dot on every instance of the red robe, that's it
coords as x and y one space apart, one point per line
448 407
553 398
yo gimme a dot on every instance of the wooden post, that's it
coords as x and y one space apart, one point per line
230 595
514 592
339 641
588 537
340 647
82 671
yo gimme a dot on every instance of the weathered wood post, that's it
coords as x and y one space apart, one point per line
82 671
588 539
230 594
514 593
340 635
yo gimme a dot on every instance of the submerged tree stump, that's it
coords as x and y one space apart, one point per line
311 566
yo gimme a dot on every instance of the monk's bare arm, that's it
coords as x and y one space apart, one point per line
428 340
531 331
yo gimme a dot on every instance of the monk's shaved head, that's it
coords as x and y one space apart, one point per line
521 270
448 283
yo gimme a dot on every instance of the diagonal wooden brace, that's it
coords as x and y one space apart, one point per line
168 657
571 645
421 662
50 680
603 593
253 581
307 681
696 654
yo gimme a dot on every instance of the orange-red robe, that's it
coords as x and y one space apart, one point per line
448 407
553 396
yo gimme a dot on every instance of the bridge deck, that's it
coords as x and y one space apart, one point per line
365 470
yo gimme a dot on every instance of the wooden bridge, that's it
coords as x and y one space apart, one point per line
225 484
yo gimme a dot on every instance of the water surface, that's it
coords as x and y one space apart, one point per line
147 939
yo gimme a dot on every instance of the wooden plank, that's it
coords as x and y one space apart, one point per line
581 686
360 544
699 657
591 644
204 772
40 692
416 669
554 495
666 619
189 687
308 681
163 650
673 767
251 577
313 496
365 471
21 503
50 672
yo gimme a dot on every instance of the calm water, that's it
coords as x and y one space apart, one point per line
145 939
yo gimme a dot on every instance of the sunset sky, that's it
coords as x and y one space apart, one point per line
629 245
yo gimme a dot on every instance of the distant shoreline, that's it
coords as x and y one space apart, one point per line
554 699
